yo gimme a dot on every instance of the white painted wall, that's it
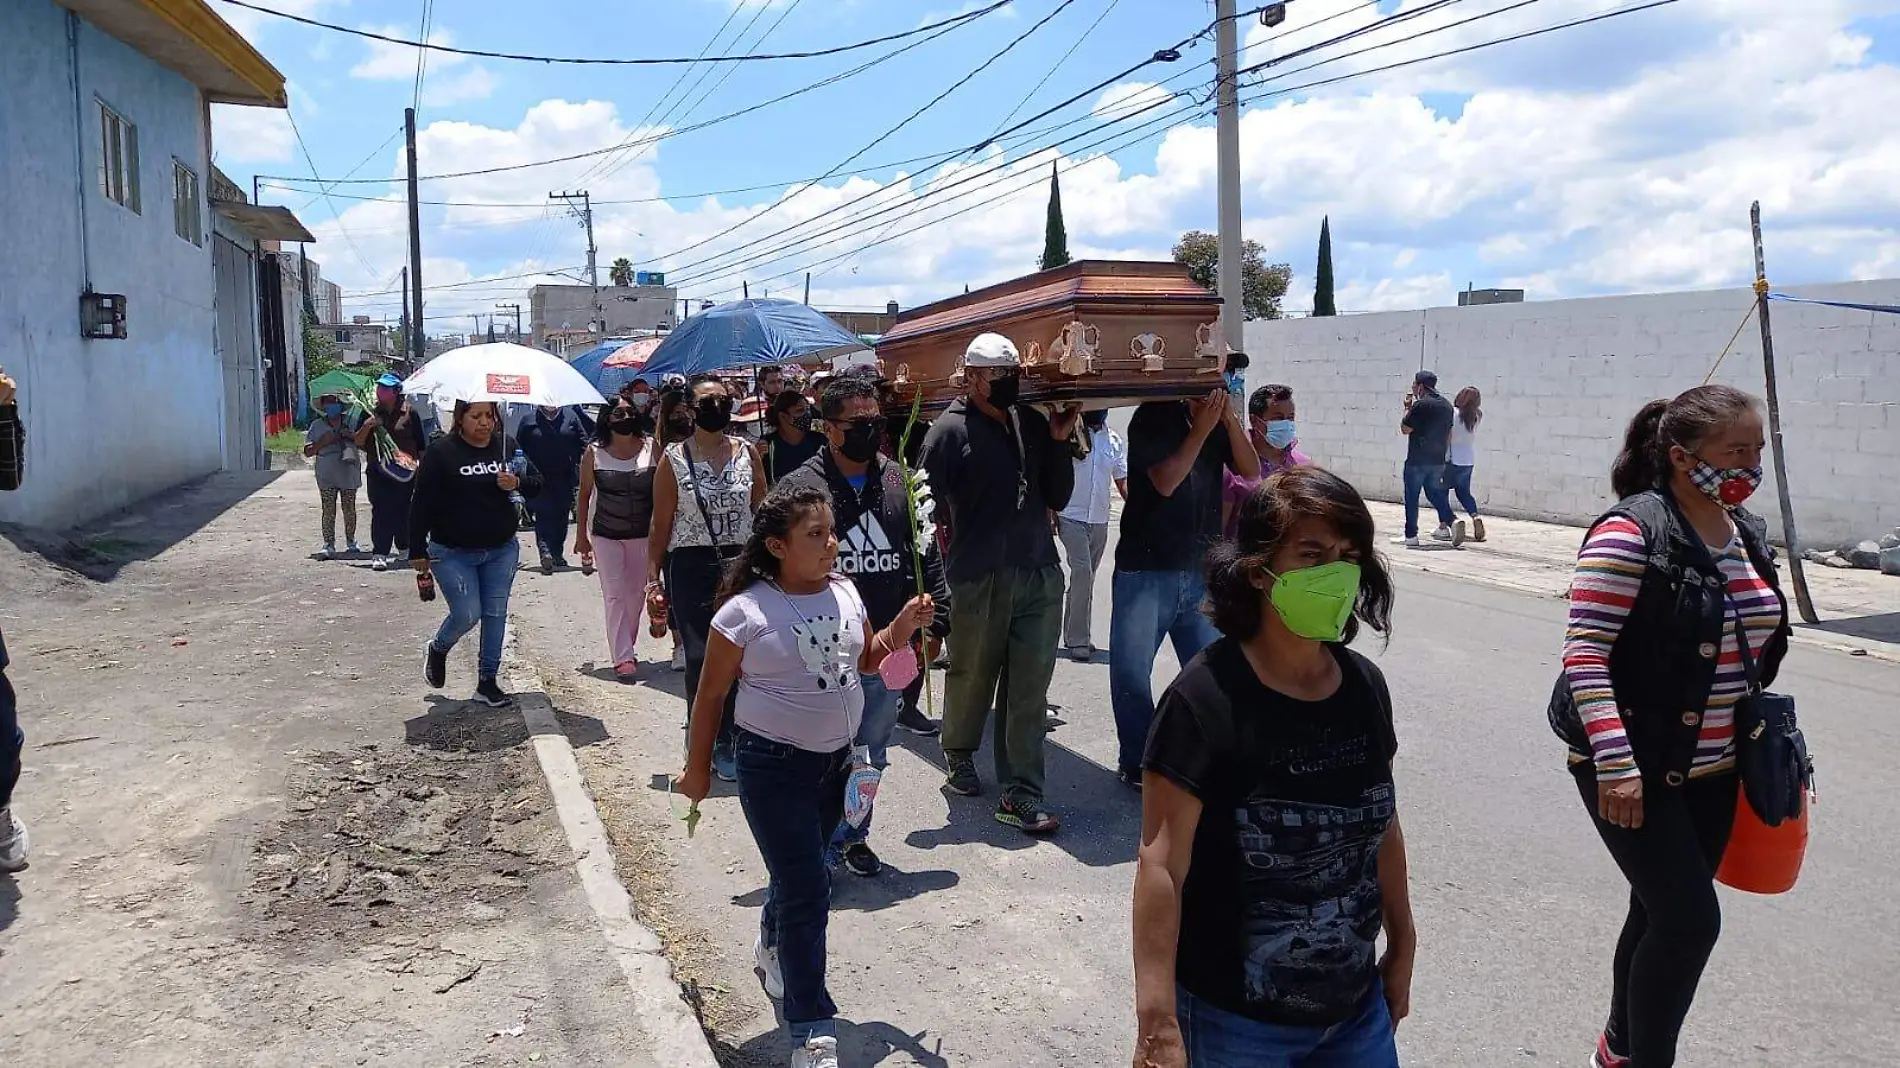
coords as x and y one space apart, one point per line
1561 380
108 422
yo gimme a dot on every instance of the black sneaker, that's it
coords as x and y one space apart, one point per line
435 667
490 694
912 719
1131 778
547 564
1027 816
860 859
960 775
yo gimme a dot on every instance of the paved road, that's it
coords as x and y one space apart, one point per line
982 948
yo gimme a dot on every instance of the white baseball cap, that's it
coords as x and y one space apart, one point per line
991 350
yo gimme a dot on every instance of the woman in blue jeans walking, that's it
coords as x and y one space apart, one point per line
794 636
462 532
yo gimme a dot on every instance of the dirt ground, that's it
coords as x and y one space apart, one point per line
258 838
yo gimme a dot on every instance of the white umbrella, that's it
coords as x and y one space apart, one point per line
504 373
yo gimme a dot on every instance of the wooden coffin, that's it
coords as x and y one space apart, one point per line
1101 332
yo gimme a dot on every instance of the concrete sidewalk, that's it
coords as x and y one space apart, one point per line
1859 610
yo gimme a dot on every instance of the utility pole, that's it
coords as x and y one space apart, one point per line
417 347
1227 174
415 358
586 215
1802 601
808 289
516 308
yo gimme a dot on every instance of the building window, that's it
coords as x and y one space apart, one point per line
118 159
186 220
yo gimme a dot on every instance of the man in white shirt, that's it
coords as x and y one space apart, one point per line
1082 528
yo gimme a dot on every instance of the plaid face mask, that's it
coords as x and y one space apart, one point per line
1726 486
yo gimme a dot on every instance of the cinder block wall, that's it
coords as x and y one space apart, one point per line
1561 379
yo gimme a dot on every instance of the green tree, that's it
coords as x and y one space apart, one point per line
321 353
1323 277
1262 286
621 273
1055 236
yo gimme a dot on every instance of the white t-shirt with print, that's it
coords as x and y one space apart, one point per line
798 676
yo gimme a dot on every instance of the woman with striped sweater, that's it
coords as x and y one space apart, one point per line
1668 586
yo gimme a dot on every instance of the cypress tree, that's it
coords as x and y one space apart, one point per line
1323 281
1055 238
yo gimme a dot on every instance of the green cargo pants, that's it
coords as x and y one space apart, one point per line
1004 624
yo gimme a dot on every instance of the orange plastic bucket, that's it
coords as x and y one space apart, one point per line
1763 859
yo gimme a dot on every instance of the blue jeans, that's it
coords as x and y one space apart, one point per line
1219 1039
1431 479
1458 481
792 800
880 719
476 583
1147 606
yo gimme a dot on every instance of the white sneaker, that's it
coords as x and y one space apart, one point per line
326 553
13 841
1443 533
821 1052
381 564
1410 543
765 963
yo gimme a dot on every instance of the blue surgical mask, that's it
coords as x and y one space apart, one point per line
1236 383
1281 433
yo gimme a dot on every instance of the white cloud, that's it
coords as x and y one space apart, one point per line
385 62
251 135
472 83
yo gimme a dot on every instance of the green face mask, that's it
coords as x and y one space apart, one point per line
1316 602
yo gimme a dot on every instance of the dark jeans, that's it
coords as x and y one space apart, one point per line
476 583
1216 1038
1431 479
1146 607
1006 625
388 513
12 738
692 577
1674 917
792 800
1458 482
550 509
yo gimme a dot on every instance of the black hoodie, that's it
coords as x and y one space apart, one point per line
875 536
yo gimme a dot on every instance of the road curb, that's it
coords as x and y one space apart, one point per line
1864 647
675 1038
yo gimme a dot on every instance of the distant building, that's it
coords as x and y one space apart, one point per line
866 323
361 341
569 314
116 260
1472 298
326 298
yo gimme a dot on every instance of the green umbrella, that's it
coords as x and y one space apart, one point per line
340 383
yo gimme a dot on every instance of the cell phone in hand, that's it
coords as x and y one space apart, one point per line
425 585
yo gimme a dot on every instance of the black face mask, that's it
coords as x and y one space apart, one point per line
1095 420
627 424
713 414
1003 390
861 441
801 422
680 423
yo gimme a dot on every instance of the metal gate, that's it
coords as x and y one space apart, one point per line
236 302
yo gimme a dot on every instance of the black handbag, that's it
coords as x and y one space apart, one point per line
1770 751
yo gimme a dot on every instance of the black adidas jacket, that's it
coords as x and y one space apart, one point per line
875 536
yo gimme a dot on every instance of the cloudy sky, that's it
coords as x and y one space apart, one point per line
1619 156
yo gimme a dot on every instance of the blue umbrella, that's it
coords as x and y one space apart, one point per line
615 363
749 333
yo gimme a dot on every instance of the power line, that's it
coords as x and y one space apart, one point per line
422 54
334 214
472 281
1053 67
954 20
1130 140
326 190
745 111
881 138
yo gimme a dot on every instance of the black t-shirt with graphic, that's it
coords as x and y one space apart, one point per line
1280 913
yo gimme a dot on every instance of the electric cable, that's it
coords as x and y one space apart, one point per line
479 53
